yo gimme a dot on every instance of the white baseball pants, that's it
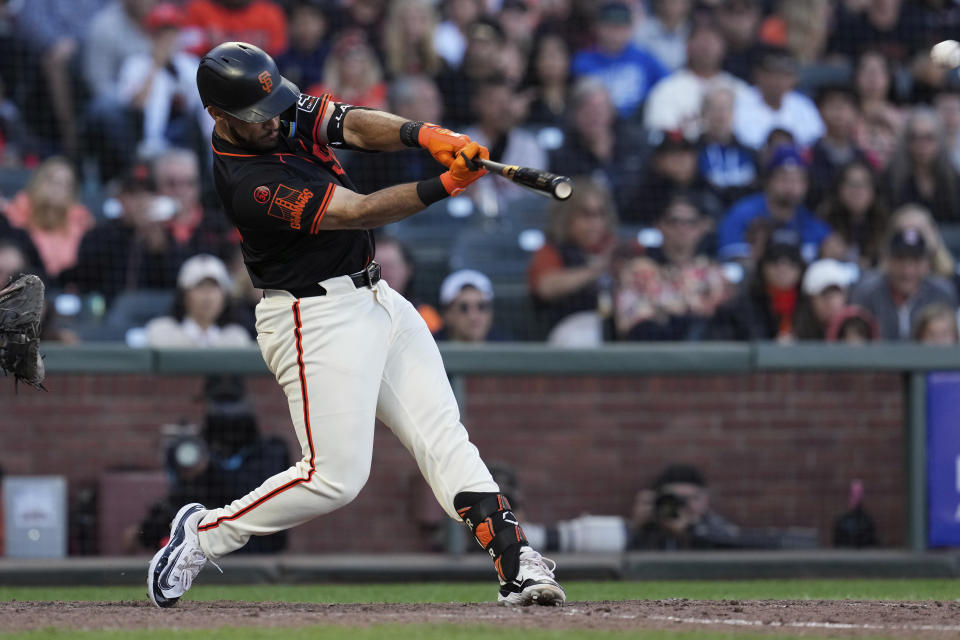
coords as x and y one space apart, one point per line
344 359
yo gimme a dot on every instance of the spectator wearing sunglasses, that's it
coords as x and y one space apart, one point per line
466 299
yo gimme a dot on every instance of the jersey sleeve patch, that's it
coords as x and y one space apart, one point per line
311 120
307 103
289 203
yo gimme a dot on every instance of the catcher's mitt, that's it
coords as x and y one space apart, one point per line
21 303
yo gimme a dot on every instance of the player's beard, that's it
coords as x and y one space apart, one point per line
260 142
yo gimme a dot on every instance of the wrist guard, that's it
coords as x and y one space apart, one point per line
410 133
431 190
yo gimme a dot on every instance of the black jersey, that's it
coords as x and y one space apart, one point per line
277 199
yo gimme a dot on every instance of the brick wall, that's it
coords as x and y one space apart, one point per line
778 449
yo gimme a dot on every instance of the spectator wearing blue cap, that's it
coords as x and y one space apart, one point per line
780 202
628 71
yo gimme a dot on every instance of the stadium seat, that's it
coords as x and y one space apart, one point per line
13 180
129 310
497 253
136 308
513 312
527 212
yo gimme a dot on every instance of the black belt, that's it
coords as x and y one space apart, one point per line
366 278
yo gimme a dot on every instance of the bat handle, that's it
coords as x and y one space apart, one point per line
473 164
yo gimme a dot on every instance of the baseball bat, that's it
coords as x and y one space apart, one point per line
540 182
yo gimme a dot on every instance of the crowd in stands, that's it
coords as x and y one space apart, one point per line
743 169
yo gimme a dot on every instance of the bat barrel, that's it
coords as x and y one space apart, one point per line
542 182
557 186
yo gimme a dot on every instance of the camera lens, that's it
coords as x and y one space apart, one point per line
187 453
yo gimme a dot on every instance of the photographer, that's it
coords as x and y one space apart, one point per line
680 516
674 514
229 458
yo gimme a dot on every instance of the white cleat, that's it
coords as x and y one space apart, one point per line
534 583
175 566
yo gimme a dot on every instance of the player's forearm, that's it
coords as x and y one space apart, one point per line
372 130
349 210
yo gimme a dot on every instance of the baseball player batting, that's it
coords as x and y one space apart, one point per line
345 347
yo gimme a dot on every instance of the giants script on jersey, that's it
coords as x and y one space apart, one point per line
288 205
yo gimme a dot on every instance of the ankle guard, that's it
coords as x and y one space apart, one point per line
495 527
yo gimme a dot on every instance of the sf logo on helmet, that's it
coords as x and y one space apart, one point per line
266 82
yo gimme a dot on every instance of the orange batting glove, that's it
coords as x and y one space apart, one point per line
443 144
460 176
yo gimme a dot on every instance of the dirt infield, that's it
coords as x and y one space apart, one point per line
793 617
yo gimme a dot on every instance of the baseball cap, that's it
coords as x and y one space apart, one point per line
454 283
200 267
908 243
486 29
673 140
680 473
739 5
164 15
136 178
826 273
786 155
614 13
852 314
776 59
783 243
515 5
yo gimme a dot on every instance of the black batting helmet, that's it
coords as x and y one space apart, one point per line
244 81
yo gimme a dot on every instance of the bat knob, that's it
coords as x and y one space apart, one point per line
473 166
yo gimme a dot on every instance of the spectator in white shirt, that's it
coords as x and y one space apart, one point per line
675 102
773 103
449 38
664 33
200 312
162 85
115 33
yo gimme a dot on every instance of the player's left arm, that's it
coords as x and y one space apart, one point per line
342 126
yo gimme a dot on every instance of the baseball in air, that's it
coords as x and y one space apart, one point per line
946 53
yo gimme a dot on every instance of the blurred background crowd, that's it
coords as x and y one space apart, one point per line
743 169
